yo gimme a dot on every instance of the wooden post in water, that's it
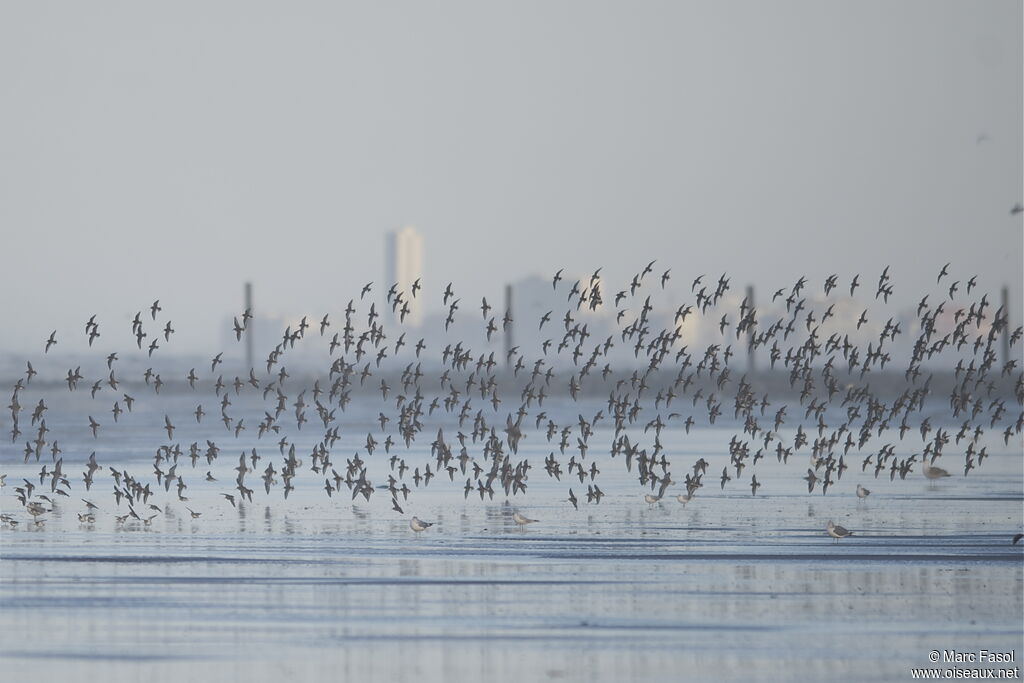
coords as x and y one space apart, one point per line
751 359
248 326
508 332
1006 327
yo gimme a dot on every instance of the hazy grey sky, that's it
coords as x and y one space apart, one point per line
173 150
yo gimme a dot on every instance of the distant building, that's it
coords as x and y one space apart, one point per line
533 297
403 265
267 331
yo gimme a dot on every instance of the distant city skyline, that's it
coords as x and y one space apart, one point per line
533 296
143 158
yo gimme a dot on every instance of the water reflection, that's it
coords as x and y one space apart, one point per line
497 617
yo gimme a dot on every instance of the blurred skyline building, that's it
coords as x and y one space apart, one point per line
533 297
403 265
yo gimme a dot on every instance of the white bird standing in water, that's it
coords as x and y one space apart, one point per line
522 521
417 524
836 531
931 472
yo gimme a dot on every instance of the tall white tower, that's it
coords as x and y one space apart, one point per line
403 266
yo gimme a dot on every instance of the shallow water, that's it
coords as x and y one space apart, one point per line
729 587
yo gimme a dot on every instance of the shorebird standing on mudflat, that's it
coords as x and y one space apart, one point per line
418 525
836 531
522 521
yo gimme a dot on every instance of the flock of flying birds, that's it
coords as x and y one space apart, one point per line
832 418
